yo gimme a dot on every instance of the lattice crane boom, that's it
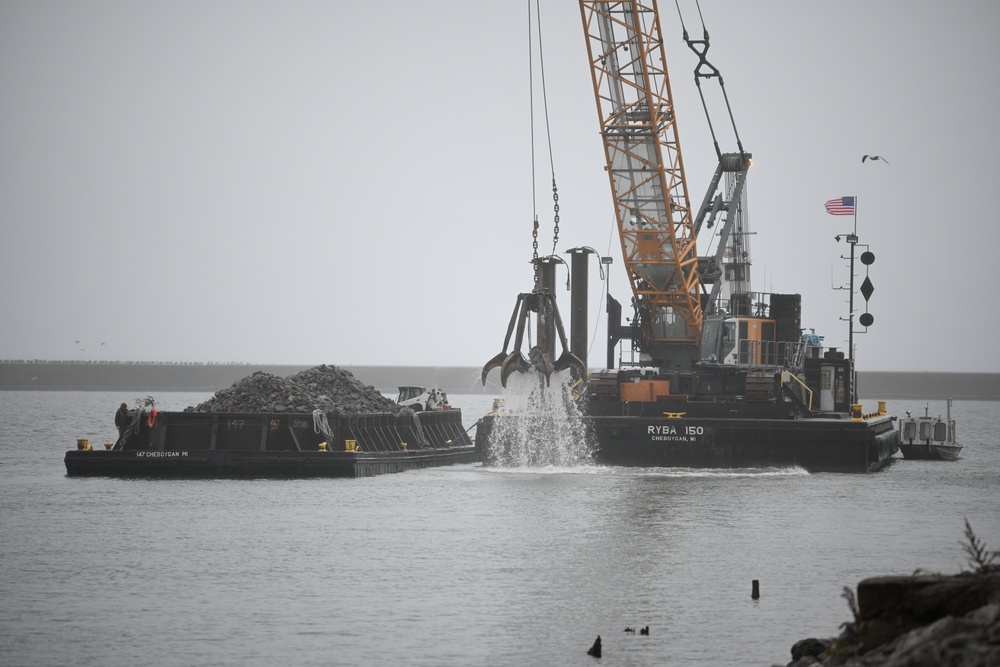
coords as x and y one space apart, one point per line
645 169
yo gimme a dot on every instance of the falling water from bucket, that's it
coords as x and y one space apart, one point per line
540 425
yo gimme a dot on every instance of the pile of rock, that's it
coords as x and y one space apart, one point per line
328 388
918 620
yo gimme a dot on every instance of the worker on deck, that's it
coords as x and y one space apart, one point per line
121 419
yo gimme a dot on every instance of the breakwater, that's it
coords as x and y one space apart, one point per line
210 377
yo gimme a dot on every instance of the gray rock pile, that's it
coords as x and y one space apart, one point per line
328 388
915 621
924 619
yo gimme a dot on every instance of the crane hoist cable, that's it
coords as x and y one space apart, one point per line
705 70
548 135
540 303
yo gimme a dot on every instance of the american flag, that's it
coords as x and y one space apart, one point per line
840 206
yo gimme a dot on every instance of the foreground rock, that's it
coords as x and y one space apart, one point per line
918 620
328 388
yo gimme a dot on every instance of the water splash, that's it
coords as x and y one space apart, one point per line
540 426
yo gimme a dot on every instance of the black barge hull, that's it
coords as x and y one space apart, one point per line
223 464
815 444
221 445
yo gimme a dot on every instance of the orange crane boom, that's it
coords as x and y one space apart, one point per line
646 170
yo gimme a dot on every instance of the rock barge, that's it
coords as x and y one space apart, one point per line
318 423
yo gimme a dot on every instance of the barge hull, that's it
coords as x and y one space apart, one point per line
243 464
220 445
817 445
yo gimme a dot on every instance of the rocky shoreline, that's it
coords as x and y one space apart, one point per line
923 619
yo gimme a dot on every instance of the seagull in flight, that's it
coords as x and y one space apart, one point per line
873 157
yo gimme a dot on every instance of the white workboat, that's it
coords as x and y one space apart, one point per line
928 438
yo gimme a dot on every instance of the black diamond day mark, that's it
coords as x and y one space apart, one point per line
867 288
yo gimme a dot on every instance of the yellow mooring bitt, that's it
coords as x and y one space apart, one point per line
858 416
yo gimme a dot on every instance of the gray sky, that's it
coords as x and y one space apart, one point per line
350 183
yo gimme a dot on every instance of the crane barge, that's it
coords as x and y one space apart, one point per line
719 375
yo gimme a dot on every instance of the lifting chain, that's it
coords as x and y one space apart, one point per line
534 239
534 254
555 231
555 191
555 218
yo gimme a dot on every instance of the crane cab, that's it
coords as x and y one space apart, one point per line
738 341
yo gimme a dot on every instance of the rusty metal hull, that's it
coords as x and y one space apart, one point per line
187 444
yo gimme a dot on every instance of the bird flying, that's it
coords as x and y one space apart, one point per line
873 157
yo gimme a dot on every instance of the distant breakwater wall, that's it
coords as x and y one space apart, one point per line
151 377
875 385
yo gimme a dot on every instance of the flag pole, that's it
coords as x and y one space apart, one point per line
853 241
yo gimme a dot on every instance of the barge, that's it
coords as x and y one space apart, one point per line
734 417
223 445
709 372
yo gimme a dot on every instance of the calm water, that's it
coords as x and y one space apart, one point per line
454 566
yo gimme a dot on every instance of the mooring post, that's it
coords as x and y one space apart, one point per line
755 593
546 268
578 326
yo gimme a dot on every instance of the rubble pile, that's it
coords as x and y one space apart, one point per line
913 621
328 388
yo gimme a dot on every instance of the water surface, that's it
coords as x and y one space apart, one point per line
455 566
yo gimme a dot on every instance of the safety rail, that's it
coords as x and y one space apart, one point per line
797 389
769 354
360 432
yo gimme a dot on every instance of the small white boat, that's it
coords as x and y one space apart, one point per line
928 438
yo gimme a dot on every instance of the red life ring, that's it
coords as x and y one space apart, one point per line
151 418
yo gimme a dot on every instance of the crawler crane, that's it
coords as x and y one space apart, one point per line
715 374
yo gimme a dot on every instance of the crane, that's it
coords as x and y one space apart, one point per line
646 171
722 374
687 308
681 300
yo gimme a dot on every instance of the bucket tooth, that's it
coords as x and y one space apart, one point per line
495 362
568 360
515 361
516 321
541 362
